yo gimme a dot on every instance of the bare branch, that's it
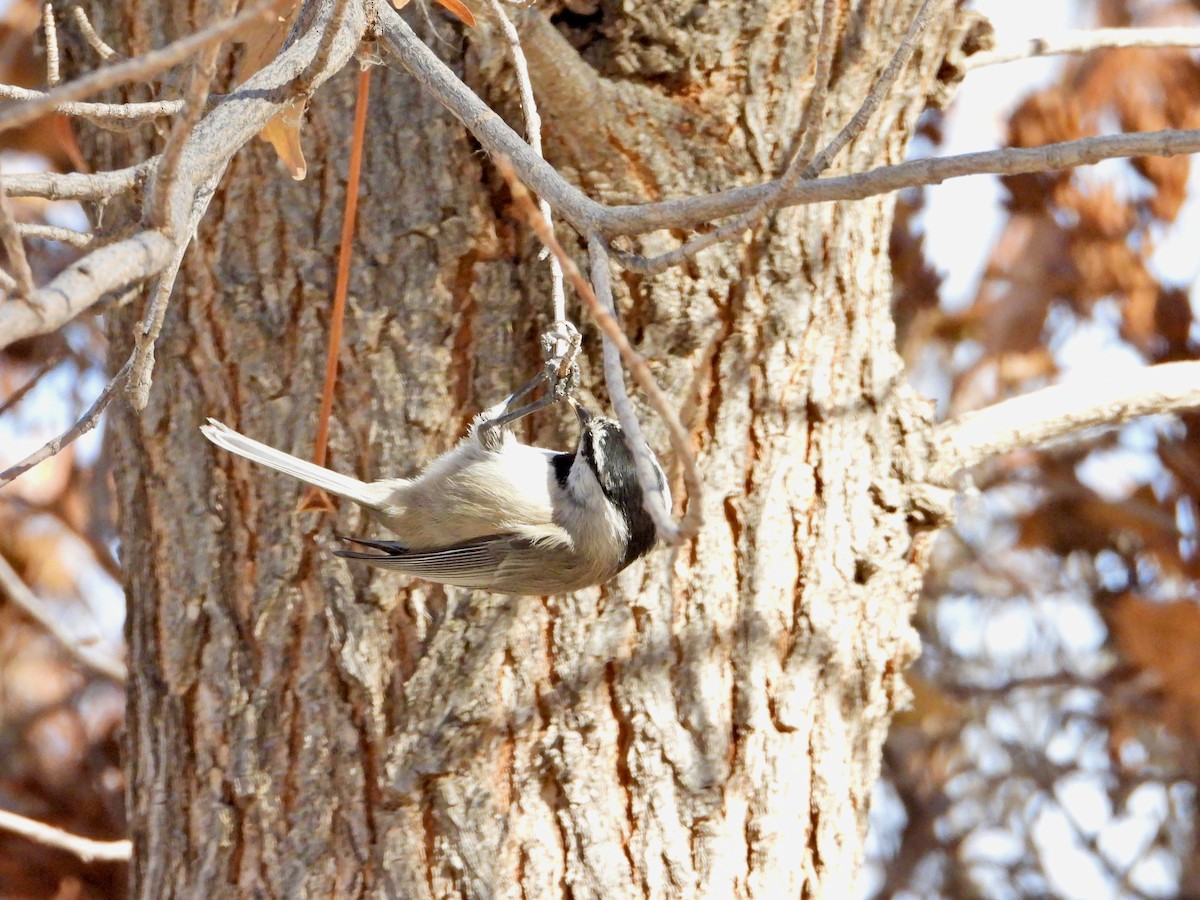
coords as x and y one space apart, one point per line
75 185
668 530
691 211
533 133
34 380
159 214
139 68
586 215
103 50
233 122
879 90
802 165
654 496
115 267
56 233
1071 42
23 597
325 48
86 423
85 848
50 30
15 249
116 112
444 86
1063 411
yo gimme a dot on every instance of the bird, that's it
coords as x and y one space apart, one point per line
493 513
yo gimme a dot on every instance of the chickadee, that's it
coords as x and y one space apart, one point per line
495 514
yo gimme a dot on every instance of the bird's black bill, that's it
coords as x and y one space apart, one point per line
581 412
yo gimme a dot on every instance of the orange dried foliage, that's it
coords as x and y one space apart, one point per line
1160 640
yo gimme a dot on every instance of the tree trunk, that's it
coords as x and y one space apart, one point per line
708 725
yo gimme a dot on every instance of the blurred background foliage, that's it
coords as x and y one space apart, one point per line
1054 744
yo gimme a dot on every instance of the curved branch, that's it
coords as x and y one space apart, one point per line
1063 411
20 594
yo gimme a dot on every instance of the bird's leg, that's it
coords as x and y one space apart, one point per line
560 370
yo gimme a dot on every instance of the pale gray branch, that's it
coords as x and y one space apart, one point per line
117 112
10 236
139 68
75 185
80 239
23 597
586 215
533 133
233 122
1063 411
86 423
50 30
1085 41
97 43
655 497
691 211
85 848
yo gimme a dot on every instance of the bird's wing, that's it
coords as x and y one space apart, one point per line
513 562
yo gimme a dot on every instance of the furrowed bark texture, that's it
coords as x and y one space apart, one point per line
708 725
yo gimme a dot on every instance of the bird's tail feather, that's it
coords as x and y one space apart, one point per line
370 495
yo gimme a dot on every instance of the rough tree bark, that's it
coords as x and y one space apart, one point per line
710 724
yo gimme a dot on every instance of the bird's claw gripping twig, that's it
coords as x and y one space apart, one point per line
560 373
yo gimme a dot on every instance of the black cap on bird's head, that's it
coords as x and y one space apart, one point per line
602 446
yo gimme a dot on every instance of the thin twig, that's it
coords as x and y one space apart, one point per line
1071 42
811 168
181 129
160 214
67 236
86 423
814 109
692 211
50 30
655 498
878 91
15 249
34 380
23 597
533 134
76 185
97 43
146 333
116 112
139 68
1063 411
85 848
669 531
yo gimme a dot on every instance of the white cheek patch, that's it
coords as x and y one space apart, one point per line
599 440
